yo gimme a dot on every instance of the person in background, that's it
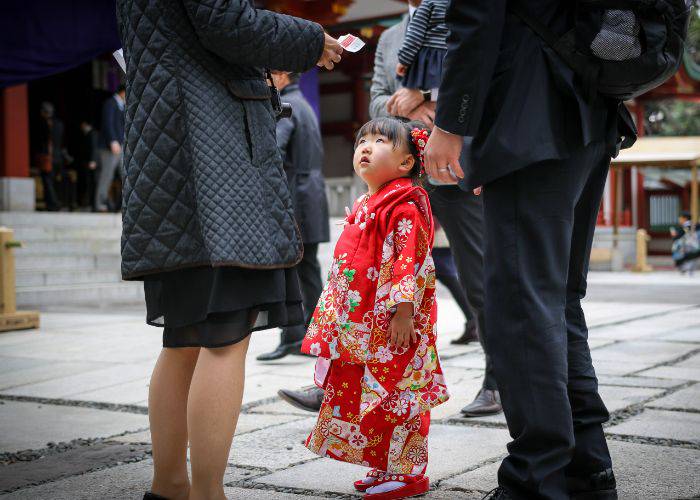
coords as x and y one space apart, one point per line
44 153
86 163
685 249
299 141
111 141
424 48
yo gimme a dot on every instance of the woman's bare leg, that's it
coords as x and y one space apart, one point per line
215 397
167 413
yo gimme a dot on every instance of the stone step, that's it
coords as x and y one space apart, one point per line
130 293
77 263
16 220
43 277
31 234
68 246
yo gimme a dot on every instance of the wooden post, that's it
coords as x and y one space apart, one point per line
10 318
694 194
642 239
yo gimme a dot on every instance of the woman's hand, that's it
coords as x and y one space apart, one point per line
331 53
401 330
401 69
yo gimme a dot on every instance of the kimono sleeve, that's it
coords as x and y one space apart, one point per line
411 249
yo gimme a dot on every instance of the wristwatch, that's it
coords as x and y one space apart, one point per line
427 94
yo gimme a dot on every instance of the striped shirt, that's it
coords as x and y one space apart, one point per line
426 29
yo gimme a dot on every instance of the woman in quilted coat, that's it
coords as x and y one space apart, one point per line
208 222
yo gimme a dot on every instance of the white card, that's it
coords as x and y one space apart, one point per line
119 57
351 43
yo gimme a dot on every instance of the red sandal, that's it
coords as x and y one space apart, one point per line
414 486
360 485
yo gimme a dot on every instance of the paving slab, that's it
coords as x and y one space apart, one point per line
79 460
31 425
617 398
611 367
463 386
128 393
637 472
116 483
255 494
635 381
24 371
661 424
673 373
684 399
66 387
263 386
278 407
274 447
453 449
689 333
641 352
691 362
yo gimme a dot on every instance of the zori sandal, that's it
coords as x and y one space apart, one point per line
361 485
413 487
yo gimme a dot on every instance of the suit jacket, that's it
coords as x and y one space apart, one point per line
112 123
503 86
299 140
386 57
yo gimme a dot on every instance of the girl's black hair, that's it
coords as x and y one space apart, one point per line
398 131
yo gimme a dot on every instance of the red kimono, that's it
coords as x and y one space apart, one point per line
376 410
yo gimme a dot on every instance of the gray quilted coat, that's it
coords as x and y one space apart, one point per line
204 183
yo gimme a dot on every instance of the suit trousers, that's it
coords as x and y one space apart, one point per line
461 215
539 229
109 163
309 271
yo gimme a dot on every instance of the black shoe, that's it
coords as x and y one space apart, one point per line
309 399
152 496
497 494
598 486
471 334
487 402
281 351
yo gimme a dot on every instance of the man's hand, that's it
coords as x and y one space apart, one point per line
424 113
401 69
401 329
404 101
331 53
115 147
443 150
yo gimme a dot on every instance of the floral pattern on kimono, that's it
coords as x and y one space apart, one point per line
376 409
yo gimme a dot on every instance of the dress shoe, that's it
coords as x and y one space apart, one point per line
497 494
487 402
309 399
281 351
471 334
152 496
598 486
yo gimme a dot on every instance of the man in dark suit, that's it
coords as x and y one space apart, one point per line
111 141
299 141
541 152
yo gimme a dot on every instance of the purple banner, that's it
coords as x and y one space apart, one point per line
39 38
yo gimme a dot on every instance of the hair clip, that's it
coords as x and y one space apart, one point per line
420 139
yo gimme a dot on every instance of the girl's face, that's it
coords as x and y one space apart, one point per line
377 160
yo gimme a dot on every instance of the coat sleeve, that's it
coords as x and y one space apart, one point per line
411 249
475 27
415 35
242 34
379 92
285 128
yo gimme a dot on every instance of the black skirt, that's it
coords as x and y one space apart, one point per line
426 71
219 306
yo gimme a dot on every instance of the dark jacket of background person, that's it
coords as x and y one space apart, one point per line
520 102
299 140
112 125
204 183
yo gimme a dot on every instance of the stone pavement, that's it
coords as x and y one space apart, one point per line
73 421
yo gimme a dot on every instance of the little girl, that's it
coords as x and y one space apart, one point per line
424 48
374 326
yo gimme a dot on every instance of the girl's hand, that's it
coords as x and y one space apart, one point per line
401 330
401 69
